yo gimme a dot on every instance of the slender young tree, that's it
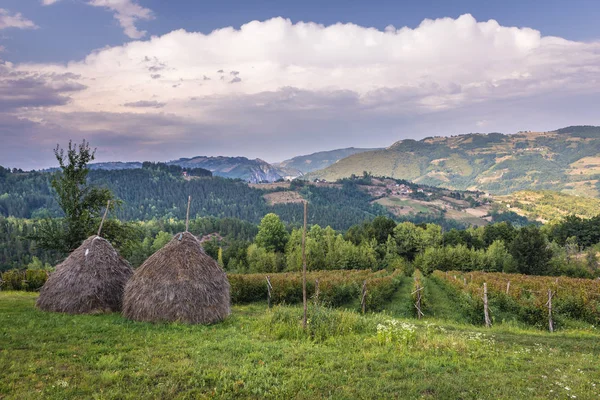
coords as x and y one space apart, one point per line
81 203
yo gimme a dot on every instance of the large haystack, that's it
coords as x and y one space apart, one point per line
180 282
91 280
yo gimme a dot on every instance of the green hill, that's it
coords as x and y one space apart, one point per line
547 205
566 160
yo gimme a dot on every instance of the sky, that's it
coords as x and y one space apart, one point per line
159 80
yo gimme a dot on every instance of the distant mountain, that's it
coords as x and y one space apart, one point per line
253 171
318 160
567 160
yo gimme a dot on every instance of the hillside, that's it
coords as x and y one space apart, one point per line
565 160
319 160
547 205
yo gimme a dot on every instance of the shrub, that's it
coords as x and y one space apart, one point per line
30 280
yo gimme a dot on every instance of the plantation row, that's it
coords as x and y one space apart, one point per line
527 296
336 288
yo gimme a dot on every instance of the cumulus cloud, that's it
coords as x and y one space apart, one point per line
303 80
14 20
127 12
49 2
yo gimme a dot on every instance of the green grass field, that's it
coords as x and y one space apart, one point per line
265 354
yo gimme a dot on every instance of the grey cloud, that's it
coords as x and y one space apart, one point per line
155 76
205 78
220 71
234 73
22 89
146 104
235 80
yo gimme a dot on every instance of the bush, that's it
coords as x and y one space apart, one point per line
29 280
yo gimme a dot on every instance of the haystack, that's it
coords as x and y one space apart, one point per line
91 280
180 282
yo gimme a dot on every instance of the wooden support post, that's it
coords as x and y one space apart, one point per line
187 215
269 289
104 217
465 281
549 304
486 313
507 287
316 291
363 300
304 265
471 277
417 292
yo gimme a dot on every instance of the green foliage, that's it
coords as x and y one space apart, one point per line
272 234
530 251
80 202
30 280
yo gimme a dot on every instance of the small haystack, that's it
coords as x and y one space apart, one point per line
91 280
180 282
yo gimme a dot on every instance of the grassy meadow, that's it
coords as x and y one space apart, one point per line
257 353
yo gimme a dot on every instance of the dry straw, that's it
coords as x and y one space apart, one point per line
90 280
178 283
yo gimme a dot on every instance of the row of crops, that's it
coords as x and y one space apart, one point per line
335 288
526 297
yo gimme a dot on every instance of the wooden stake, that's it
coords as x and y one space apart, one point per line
465 280
316 291
304 264
269 288
363 300
507 287
486 313
187 215
418 302
549 304
104 217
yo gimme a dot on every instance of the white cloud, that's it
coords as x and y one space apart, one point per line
49 2
127 12
8 20
309 83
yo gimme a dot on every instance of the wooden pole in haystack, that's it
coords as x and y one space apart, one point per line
304 263
486 313
187 215
104 217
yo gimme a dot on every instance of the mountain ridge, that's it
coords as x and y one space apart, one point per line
567 159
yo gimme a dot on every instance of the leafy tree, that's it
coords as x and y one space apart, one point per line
531 252
80 202
381 228
272 234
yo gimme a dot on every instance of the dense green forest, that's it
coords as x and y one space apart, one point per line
150 192
566 248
